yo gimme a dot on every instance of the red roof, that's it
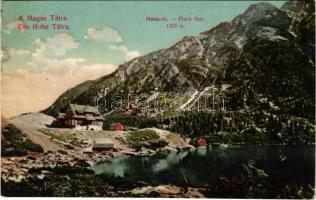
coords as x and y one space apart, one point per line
116 127
202 142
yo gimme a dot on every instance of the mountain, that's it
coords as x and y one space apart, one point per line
265 54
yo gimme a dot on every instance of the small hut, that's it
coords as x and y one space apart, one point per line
103 144
116 127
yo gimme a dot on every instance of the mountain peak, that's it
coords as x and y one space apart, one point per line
191 64
257 12
260 7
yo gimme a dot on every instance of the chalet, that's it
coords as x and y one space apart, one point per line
80 117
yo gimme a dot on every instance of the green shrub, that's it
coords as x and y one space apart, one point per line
128 120
32 146
145 138
13 134
255 184
240 127
14 143
67 181
17 151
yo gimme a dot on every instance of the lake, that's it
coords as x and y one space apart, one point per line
283 164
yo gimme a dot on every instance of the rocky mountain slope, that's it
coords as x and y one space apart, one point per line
266 54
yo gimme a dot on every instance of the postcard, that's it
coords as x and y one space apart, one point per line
158 99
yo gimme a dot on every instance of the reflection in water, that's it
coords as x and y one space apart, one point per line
171 159
201 151
287 164
116 167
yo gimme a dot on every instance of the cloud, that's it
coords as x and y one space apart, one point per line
5 55
56 45
119 48
47 75
10 26
27 91
106 34
53 65
129 55
18 52
14 25
47 55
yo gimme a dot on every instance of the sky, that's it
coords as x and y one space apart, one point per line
38 65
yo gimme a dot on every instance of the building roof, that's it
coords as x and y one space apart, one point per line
103 143
83 109
61 115
114 124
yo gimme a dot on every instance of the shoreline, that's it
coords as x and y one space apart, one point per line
119 186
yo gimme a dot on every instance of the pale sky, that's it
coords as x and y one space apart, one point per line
39 65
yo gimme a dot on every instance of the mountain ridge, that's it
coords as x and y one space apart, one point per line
196 62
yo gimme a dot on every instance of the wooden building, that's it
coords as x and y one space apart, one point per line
80 116
103 144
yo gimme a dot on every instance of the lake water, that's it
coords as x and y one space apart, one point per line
287 164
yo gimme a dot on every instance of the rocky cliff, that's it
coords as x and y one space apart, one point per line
266 54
